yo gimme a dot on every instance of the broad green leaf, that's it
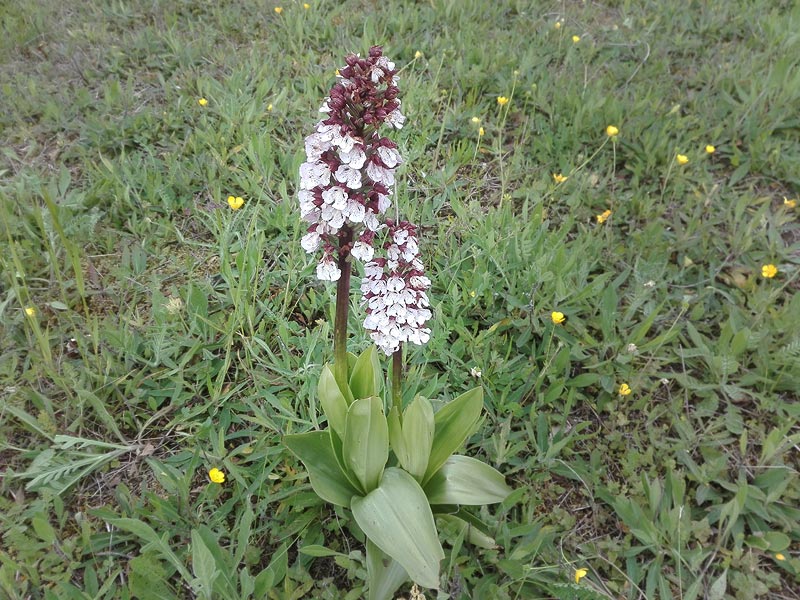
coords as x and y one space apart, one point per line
318 551
366 376
329 482
455 422
397 518
366 441
474 536
384 573
203 566
333 401
417 435
466 480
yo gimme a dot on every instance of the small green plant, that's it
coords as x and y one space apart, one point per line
395 470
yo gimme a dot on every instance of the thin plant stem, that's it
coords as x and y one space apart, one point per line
397 379
340 368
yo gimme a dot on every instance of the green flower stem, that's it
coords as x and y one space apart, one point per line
340 369
397 379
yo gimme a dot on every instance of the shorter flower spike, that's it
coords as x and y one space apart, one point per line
394 288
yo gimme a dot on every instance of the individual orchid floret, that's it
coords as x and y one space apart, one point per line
346 181
394 291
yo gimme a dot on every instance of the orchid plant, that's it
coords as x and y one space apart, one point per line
394 467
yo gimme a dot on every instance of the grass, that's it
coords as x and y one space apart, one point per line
171 335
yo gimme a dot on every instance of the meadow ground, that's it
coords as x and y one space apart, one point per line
150 333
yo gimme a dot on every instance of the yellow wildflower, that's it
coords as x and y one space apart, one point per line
306 5
559 178
278 10
603 216
216 476
789 203
580 574
30 311
481 131
682 159
625 390
202 102
769 271
576 39
612 131
269 106
235 202
417 54
710 149
502 100
475 120
780 556
558 318
557 25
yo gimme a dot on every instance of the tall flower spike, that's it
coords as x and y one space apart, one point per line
345 183
395 292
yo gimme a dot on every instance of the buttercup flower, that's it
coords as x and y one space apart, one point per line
278 9
235 202
612 131
559 178
682 159
710 149
558 318
395 291
30 311
475 120
580 574
346 181
557 24
780 556
603 216
216 476
576 39
769 271
481 131
306 5
502 100
202 101
624 390
789 203
417 54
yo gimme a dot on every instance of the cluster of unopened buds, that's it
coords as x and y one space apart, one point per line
345 190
